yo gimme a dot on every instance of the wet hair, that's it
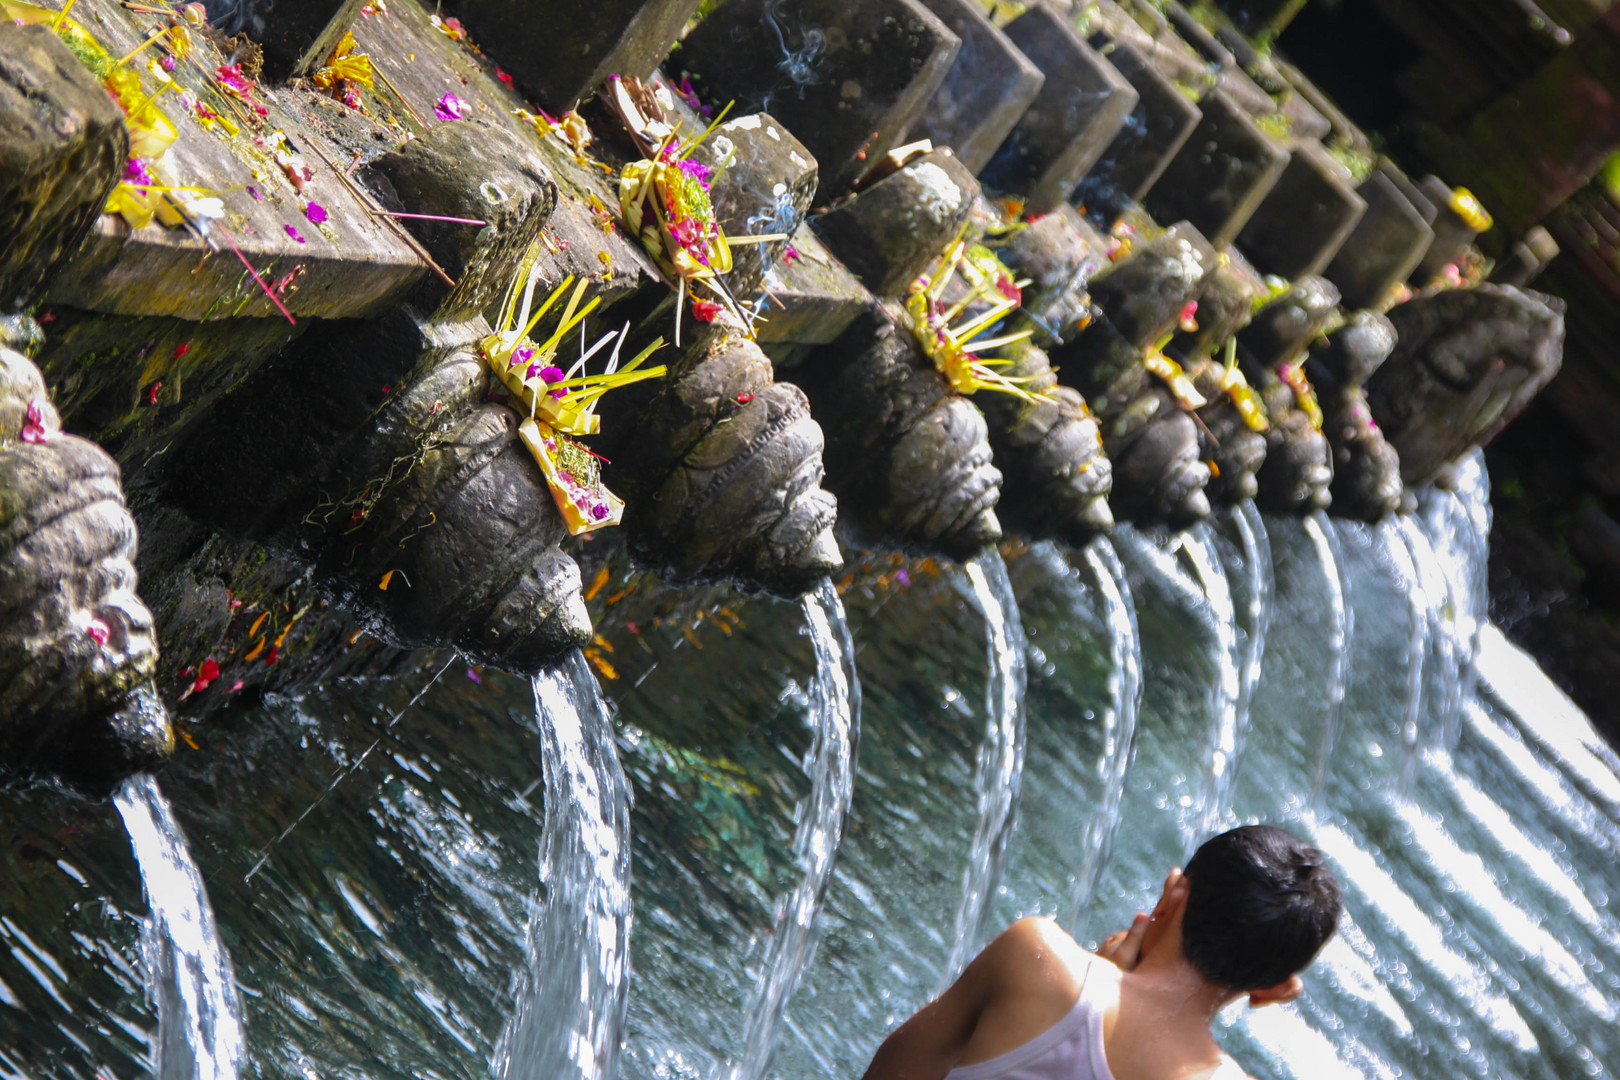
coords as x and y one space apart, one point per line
1261 904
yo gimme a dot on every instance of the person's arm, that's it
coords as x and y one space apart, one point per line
932 1042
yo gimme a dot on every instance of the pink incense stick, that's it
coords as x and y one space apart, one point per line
274 299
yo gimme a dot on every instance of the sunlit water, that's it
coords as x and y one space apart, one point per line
188 976
386 934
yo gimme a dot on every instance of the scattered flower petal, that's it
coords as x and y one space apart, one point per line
472 673
207 672
181 350
292 231
315 212
449 107
902 577
706 310
34 429
97 630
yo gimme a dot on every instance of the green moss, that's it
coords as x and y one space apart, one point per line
1360 162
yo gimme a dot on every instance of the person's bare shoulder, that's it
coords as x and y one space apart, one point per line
1038 943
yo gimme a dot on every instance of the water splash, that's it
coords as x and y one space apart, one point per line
1119 722
835 714
1001 754
570 1013
188 973
1328 551
1225 735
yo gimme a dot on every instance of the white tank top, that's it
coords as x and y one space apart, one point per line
1071 1049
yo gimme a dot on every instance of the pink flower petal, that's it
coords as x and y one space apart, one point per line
315 212
449 107
97 630
292 231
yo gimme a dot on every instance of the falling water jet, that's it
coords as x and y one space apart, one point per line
835 715
1397 544
1001 755
1331 556
1457 523
1119 723
1225 736
569 1016
188 972
1255 545
1443 669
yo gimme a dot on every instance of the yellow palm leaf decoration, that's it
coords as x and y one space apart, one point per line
955 347
561 406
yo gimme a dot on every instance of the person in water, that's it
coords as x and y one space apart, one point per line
1249 913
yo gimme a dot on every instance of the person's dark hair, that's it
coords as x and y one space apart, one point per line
1261 904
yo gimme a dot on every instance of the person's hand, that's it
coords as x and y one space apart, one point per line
1123 948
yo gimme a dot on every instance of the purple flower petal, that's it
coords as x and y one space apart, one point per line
293 232
315 212
551 374
449 107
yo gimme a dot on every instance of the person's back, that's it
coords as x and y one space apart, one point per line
1254 907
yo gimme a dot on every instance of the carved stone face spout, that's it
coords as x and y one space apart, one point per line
77 651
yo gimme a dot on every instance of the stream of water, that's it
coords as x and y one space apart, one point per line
188 974
1476 831
571 998
1000 757
835 712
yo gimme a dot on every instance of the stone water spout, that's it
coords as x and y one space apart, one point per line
1153 441
77 651
1233 429
908 457
1298 467
1466 364
383 464
1366 468
721 464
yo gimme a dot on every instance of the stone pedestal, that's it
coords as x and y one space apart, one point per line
1283 329
1384 247
1081 107
812 298
1527 258
1144 295
987 90
898 227
1157 128
473 170
765 181
1224 170
62 148
1453 233
562 51
1303 222
1059 254
847 79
